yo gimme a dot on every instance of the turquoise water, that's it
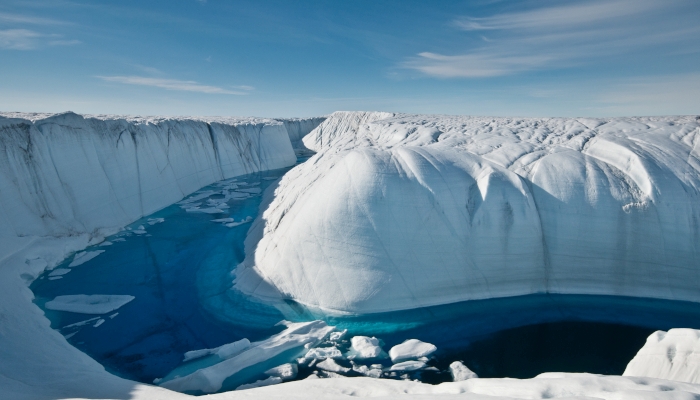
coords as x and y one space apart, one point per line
178 271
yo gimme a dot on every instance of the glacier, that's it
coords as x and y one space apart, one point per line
412 210
421 210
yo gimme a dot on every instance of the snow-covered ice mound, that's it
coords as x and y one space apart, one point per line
406 211
673 355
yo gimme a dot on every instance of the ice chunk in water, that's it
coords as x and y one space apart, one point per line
59 272
224 352
88 304
411 349
330 365
408 366
364 347
84 256
261 355
460 372
285 371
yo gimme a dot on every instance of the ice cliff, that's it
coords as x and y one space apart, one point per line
66 180
67 174
403 211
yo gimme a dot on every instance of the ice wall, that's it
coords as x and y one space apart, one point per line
67 174
64 180
405 211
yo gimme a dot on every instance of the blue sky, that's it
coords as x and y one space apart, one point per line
305 58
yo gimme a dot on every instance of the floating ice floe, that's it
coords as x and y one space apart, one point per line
460 372
59 272
224 352
234 224
88 304
375 371
84 256
330 365
285 371
411 349
260 357
322 353
153 221
363 347
407 366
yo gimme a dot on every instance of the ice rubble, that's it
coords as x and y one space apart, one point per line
296 338
422 210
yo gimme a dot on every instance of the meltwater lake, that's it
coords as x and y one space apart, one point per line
177 263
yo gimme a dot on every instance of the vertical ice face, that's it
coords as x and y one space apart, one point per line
401 211
64 174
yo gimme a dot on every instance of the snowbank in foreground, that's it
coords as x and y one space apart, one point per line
419 210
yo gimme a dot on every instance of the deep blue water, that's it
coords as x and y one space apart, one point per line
179 273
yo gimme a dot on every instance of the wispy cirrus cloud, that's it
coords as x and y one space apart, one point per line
29 19
175 84
558 36
27 39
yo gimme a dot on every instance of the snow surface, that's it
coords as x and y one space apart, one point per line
673 355
420 210
88 304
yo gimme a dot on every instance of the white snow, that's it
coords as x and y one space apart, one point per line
411 349
363 347
285 371
88 304
273 380
84 256
673 355
461 372
420 210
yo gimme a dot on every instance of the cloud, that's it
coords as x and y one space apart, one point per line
561 36
18 39
174 84
27 19
26 39
473 65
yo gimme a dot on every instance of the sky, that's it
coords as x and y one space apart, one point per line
300 58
